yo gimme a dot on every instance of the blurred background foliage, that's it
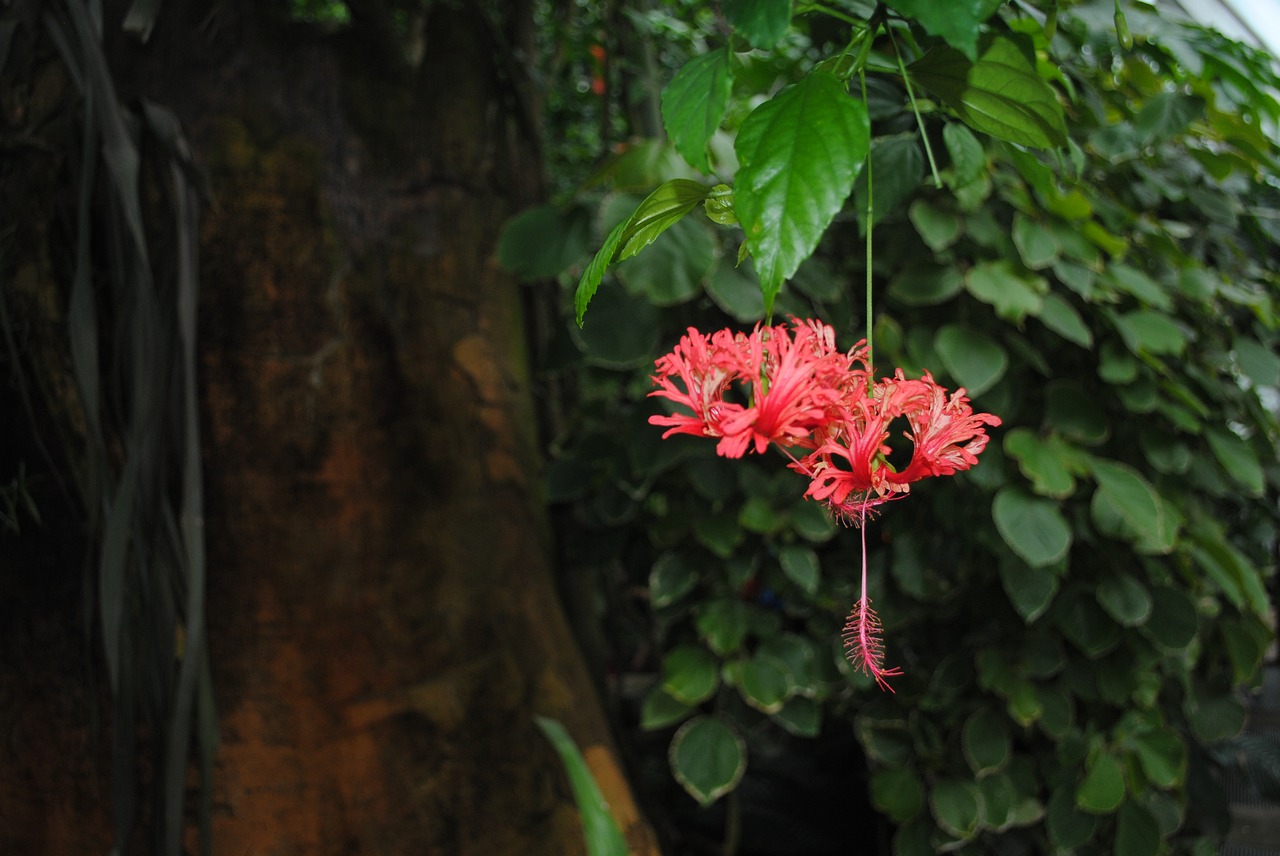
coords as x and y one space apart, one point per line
1082 616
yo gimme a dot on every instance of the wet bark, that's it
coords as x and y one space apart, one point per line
383 618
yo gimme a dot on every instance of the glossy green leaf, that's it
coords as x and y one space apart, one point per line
1041 463
938 227
957 23
672 577
1137 833
1131 280
600 829
659 211
1151 332
1030 589
1136 501
764 683
957 807
1013 294
694 102
707 758
1125 599
594 272
975 360
1062 318
801 566
1163 757
1237 458
925 284
985 741
1166 114
761 22
1103 789
1000 93
690 674
659 709
898 793
799 153
1033 527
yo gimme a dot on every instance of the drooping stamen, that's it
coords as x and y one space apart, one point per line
862 642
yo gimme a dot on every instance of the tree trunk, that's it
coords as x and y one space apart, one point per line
383 619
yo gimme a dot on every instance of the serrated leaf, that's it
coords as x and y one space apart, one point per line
694 102
659 211
761 22
707 758
1033 527
594 272
799 153
971 357
956 22
1000 93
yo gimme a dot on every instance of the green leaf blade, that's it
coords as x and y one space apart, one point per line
693 105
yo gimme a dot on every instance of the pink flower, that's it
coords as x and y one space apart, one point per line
705 368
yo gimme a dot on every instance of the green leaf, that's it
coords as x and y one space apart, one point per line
1237 458
975 361
986 742
659 709
1163 757
1013 295
694 102
1033 528
955 22
898 793
938 227
1000 93
896 169
1258 362
761 22
764 683
707 758
1084 623
659 211
1125 599
1030 589
1102 790
672 577
1074 413
723 623
1040 462
925 284
801 566
1132 281
542 241
690 674
603 837
957 807
1136 502
799 153
1152 332
1174 622
594 272
1137 833
624 334
1167 114
800 716
968 157
1037 245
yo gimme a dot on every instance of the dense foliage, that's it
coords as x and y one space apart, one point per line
1071 222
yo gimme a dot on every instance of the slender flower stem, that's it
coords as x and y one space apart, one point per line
915 108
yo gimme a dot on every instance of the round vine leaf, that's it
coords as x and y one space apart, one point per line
672 577
1102 790
1174 621
659 709
690 674
1031 590
800 716
764 683
898 793
707 758
957 807
986 742
1033 528
1125 599
1068 827
1163 757
800 564
975 360
723 623
999 798
938 227
925 284
1137 832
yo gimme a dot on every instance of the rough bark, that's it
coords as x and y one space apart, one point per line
383 619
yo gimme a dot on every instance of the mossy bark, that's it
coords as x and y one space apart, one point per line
383 619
